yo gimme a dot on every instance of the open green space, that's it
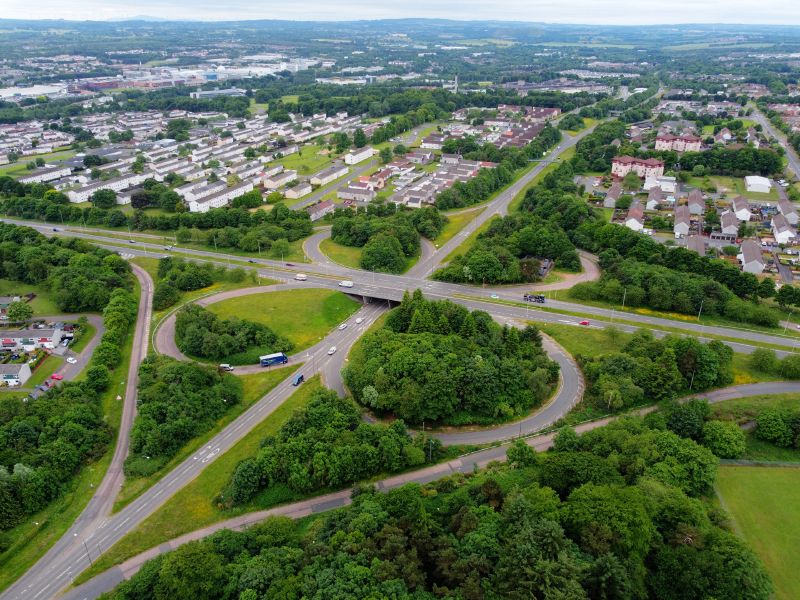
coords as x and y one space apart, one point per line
42 373
192 507
346 256
303 316
456 222
42 304
255 387
765 505
32 538
18 169
307 161
290 99
564 156
731 187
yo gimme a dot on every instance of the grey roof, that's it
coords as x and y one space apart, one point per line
751 252
12 369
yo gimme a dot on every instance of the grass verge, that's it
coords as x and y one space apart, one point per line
346 256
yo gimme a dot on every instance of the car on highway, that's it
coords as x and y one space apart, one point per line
167 247
298 379
131 241
343 326
55 228
289 264
72 360
57 376
494 296
584 322
346 284
300 277
359 320
250 260
332 350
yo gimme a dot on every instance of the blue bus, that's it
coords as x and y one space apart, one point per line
279 358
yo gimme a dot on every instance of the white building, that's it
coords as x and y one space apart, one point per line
30 339
635 218
298 191
330 174
781 230
756 183
276 181
356 156
219 199
645 168
46 174
14 375
116 184
751 258
788 210
683 221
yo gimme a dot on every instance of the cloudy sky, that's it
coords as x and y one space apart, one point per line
627 12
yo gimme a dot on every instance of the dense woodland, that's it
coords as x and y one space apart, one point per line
80 277
390 235
176 402
327 445
616 513
438 362
201 333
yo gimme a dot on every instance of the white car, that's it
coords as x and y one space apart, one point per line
332 350
300 277
343 326
359 320
346 284
72 360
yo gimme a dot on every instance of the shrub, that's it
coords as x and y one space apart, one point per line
725 439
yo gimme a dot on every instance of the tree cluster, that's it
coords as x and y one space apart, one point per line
647 370
327 445
438 362
389 234
80 277
510 251
176 402
615 517
176 275
199 332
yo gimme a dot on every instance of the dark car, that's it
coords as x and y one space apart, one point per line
55 228
131 241
250 260
289 264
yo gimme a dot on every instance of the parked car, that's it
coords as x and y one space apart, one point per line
332 350
57 376
72 360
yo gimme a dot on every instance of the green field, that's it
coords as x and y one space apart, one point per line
344 255
42 305
731 186
255 386
765 505
307 161
192 507
464 246
19 169
85 337
303 316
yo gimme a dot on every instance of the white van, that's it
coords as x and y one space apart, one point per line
226 367
300 277
346 283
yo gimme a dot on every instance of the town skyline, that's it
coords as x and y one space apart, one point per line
575 12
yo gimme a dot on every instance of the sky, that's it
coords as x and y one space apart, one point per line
619 12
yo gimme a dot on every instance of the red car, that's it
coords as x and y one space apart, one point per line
583 323
57 376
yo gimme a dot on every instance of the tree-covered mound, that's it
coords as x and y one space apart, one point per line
438 362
